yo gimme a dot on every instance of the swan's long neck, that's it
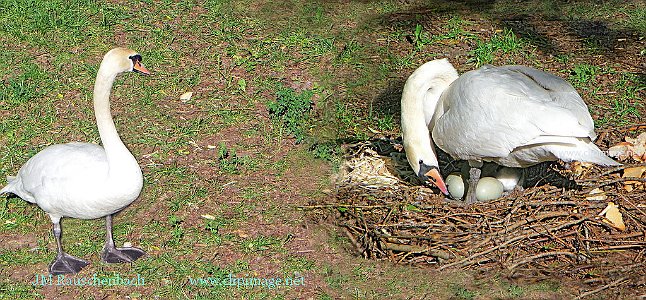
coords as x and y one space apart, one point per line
419 101
117 153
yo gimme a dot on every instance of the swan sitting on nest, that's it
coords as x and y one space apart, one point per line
86 181
514 116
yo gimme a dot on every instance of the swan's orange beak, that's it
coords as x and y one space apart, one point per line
139 67
436 178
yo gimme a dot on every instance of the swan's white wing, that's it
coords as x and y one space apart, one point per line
489 112
61 172
561 94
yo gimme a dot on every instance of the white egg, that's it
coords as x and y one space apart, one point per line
488 188
455 185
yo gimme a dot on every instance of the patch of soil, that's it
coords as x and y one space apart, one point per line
17 241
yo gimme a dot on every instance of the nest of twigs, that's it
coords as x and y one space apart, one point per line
541 231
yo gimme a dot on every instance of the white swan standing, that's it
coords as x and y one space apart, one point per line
86 181
514 116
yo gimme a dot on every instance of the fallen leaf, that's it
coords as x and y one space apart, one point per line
243 235
613 216
373 131
620 150
208 217
186 96
631 147
597 195
634 172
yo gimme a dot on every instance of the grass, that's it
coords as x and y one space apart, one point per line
230 163
16 216
628 105
327 151
453 30
500 44
463 293
275 97
608 11
583 75
292 109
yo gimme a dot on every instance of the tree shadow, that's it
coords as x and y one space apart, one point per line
388 102
526 29
550 30
523 24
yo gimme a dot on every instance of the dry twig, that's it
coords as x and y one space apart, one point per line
409 224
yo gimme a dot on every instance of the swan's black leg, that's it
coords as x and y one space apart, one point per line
112 254
64 263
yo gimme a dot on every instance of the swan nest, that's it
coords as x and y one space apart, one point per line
594 234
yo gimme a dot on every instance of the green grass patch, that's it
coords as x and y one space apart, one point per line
12 290
261 244
328 151
297 264
292 109
460 292
453 30
501 43
230 163
583 75
628 105
17 215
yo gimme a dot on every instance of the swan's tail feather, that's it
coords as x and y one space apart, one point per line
15 187
7 188
585 151
604 160
596 156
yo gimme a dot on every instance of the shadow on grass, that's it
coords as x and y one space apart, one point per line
549 28
523 21
388 102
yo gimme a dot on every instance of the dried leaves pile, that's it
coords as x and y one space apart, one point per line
543 231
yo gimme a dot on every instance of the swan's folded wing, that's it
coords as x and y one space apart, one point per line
561 94
57 166
491 111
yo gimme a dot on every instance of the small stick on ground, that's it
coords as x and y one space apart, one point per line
609 285
542 255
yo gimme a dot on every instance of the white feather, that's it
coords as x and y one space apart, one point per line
512 115
82 180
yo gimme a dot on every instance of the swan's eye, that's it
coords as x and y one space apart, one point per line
421 161
135 58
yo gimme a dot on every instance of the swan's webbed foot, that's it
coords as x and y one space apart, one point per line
115 255
67 264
